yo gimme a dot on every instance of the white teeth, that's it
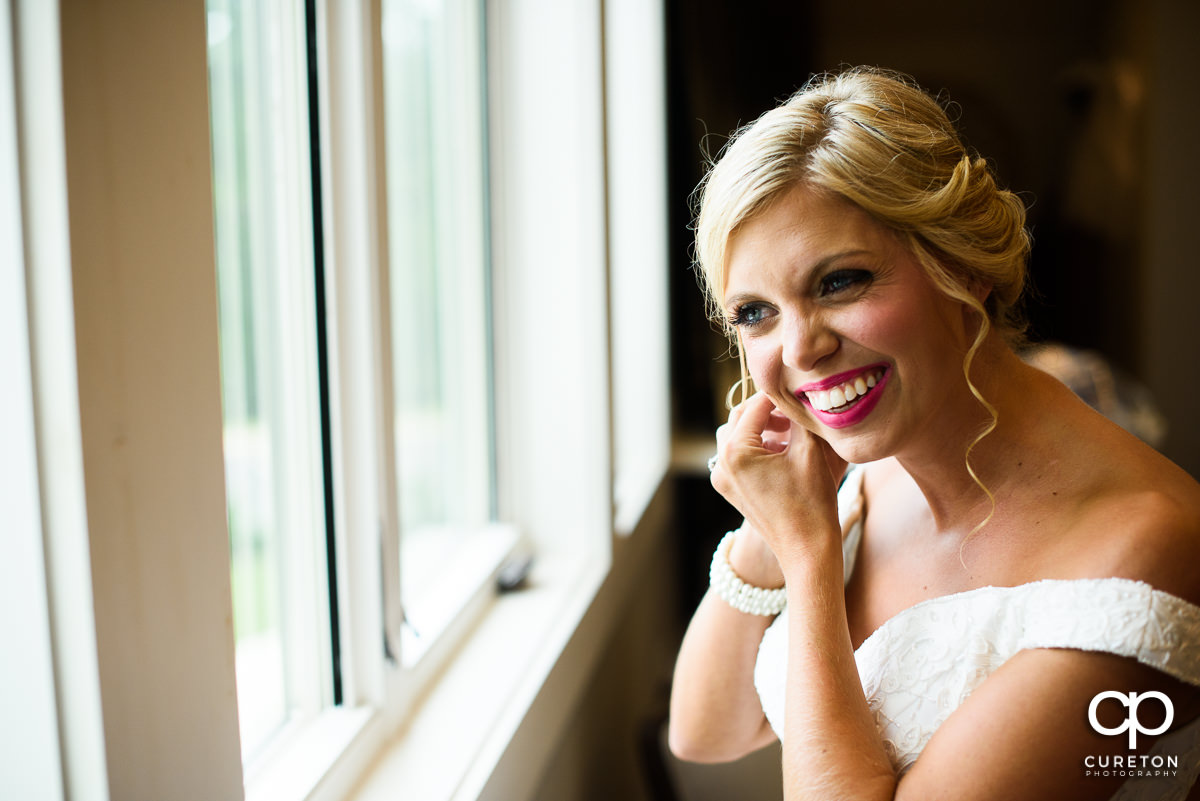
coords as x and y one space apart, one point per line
824 400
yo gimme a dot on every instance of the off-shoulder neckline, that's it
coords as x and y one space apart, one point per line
954 597
856 473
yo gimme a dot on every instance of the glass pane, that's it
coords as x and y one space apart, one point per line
262 196
433 63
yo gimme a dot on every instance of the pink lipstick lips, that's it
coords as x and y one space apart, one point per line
845 399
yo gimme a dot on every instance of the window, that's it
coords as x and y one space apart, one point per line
125 380
282 451
270 364
637 236
461 228
440 308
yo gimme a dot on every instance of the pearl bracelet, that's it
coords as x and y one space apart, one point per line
737 593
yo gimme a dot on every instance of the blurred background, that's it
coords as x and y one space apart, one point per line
1077 105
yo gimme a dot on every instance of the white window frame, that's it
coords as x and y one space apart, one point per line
162 714
636 104
29 741
61 574
365 478
284 674
537 149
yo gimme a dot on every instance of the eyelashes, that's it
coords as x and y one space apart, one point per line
837 286
747 315
842 280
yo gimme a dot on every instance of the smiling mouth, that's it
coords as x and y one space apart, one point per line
845 396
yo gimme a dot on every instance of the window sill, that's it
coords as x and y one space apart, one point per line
319 758
486 728
461 732
305 755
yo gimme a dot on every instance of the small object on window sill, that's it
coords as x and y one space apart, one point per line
514 573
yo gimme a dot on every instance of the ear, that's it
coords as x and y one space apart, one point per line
980 288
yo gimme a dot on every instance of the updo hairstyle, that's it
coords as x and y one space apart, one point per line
877 140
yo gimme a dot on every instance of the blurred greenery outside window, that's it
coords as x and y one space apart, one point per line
266 282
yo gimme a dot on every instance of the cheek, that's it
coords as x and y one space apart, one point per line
883 327
762 360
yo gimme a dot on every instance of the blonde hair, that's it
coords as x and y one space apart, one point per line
877 140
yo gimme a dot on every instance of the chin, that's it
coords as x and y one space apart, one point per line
856 450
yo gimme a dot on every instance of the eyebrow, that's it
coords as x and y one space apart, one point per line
736 300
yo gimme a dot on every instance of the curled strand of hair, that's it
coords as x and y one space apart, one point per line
988 428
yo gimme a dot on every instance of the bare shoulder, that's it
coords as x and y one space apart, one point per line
1032 713
1140 517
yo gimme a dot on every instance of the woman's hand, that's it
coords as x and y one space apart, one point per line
781 477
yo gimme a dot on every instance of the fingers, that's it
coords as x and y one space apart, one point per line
779 422
742 437
756 406
812 452
756 425
774 444
754 420
780 475
775 437
774 433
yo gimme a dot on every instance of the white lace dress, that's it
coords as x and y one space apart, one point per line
921 664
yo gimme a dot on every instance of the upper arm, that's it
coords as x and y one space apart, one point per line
1024 732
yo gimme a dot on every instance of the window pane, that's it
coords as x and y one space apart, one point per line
433 63
265 274
635 113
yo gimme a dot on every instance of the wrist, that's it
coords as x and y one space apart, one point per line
753 560
807 566
735 591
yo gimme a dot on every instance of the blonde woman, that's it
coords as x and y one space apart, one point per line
998 600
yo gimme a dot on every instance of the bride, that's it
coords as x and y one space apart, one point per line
997 599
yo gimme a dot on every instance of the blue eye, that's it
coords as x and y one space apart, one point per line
841 280
748 315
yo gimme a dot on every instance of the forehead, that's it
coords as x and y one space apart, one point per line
796 232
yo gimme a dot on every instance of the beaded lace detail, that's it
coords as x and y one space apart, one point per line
920 665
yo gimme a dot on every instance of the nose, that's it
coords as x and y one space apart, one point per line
808 340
